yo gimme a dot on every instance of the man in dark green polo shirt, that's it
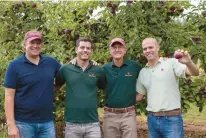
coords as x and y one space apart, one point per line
81 81
119 111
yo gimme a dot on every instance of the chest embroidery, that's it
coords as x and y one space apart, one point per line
128 74
92 75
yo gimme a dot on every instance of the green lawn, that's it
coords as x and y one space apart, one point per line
3 130
192 115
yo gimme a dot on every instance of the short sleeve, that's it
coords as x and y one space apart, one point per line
58 65
10 80
139 85
138 69
179 68
101 83
59 80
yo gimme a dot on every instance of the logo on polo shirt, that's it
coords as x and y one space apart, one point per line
92 75
128 74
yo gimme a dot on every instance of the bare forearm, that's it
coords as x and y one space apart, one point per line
13 131
192 69
9 110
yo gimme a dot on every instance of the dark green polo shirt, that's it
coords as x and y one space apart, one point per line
121 84
81 91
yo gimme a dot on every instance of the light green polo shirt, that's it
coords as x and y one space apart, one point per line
81 91
161 85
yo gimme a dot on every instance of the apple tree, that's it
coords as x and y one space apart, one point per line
171 26
62 23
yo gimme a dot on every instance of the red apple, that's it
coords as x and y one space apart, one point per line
108 4
86 26
34 6
172 9
178 54
114 6
129 1
197 39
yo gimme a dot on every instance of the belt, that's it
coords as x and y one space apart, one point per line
166 113
119 110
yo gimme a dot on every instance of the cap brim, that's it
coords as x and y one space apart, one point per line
117 42
33 38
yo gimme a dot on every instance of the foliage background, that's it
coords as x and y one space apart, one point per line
63 22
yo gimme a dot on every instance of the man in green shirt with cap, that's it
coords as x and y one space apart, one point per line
81 81
119 110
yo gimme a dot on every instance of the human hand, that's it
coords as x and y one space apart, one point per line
73 61
13 131
94 63
182 56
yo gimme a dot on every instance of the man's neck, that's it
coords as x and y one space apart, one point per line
33 59
82 63
152 63
118 62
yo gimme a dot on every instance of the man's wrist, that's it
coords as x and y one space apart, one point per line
189 62
9 124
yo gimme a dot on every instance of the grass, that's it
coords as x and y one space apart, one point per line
193 114
3 131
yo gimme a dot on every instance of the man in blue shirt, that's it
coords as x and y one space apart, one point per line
29 91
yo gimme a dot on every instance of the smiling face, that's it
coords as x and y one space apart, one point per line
32 48
150 49
117 51
84 50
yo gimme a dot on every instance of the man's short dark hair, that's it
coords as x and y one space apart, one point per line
85 39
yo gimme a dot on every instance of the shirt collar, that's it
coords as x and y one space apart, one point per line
90 64
25 60
159 61
125 63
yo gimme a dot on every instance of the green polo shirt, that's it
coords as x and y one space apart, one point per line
160 83
81 91
121 84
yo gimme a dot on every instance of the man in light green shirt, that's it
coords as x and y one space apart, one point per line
159 80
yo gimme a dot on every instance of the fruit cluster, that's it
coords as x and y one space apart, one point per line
112 6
